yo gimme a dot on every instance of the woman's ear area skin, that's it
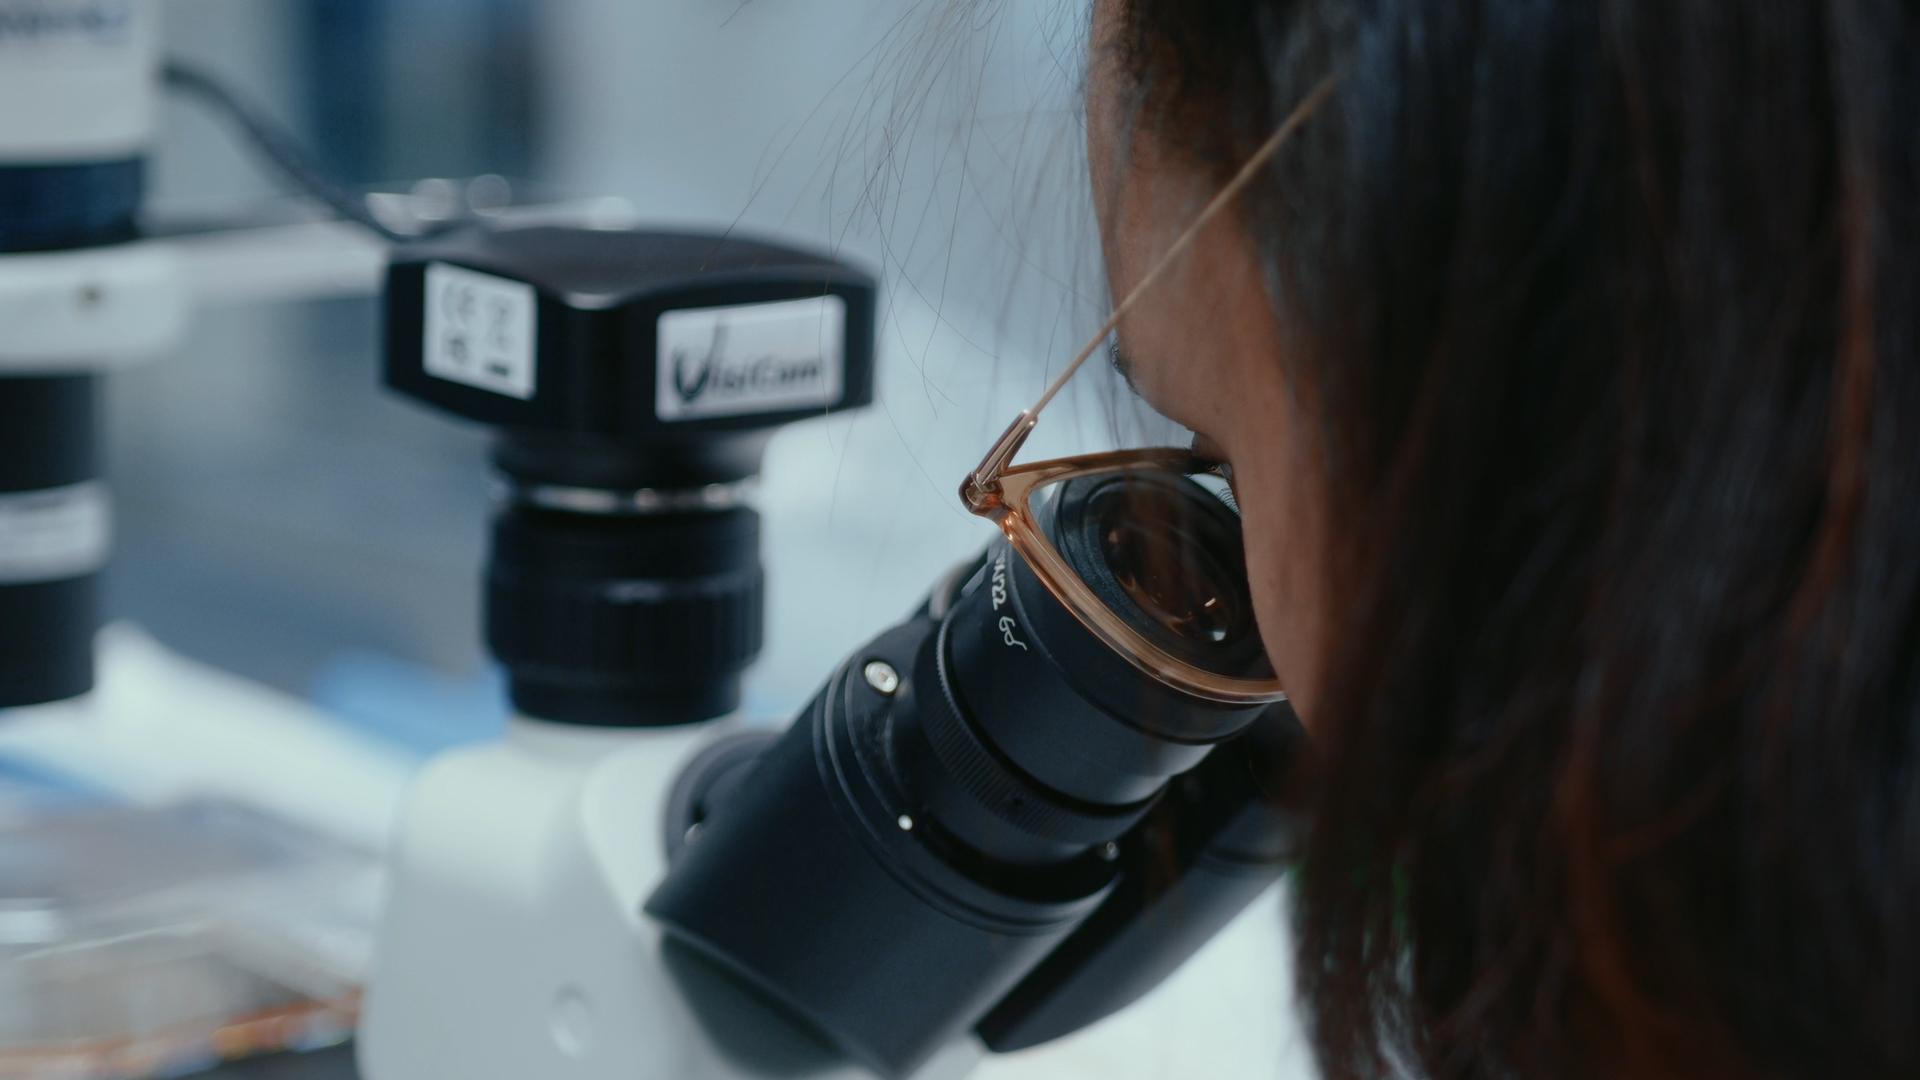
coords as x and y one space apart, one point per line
1205 348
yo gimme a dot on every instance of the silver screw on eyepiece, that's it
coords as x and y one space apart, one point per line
881 676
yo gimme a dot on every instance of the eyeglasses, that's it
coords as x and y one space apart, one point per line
1159 557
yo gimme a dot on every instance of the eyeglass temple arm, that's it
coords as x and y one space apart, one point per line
980 491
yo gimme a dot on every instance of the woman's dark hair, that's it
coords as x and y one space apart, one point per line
1609 312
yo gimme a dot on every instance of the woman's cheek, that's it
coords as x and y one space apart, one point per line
1286 593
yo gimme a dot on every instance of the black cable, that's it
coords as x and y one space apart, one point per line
277 146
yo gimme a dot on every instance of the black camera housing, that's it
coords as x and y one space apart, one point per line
597 298
634 378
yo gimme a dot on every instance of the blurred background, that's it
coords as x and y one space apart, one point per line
280 518
286 520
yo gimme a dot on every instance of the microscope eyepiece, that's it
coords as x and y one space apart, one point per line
54 535
1165 551
1077 729
965 820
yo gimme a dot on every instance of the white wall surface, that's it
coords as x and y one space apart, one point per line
249 44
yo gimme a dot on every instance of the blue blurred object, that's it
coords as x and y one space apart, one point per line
439 88
411 705
29 786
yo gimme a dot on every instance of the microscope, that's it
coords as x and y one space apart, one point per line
80 292
959 848
972 841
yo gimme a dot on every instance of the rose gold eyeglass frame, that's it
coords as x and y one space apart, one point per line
1002 492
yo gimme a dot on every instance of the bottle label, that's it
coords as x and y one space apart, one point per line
54 534
480 331
750 359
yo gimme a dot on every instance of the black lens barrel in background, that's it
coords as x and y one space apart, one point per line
53 536
54 513
60 206
624 618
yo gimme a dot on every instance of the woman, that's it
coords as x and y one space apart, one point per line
1574 343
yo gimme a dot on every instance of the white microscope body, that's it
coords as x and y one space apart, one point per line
514 944
631 379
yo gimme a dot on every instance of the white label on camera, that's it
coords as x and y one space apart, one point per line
753 358
54 534
86 67
480 330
